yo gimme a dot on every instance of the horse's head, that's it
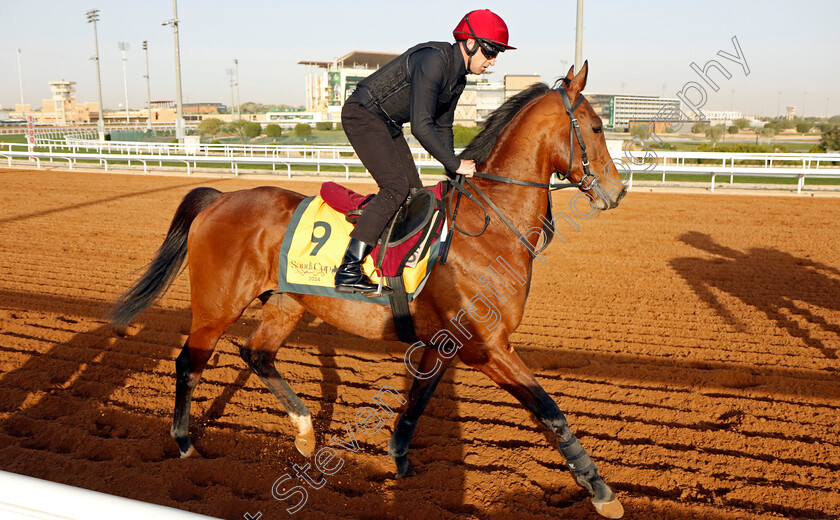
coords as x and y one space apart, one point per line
597 175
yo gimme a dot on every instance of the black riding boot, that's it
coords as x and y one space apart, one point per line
350 278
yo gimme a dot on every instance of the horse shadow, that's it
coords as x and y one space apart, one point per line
72 399
68 415
439 424
772 281
63 400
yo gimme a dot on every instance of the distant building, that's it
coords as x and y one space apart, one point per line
330 83
479 98
482 96
617 110
516 83
62 108
166 112
203 109
791 112
290 118
720 116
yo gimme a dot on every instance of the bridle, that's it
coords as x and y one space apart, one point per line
587 182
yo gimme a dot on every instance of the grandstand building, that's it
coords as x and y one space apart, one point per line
330 83
617 110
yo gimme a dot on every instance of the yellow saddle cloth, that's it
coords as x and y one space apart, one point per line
314 246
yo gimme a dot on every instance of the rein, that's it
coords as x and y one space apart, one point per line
458 184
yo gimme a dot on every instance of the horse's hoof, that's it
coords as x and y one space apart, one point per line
407 473
306 444
404 468
305 439
611 509
120 330
191 453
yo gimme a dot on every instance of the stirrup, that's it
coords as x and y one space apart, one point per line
380 289
351 289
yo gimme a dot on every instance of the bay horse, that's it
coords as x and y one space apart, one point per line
233 241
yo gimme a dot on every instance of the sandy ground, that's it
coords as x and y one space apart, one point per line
691 339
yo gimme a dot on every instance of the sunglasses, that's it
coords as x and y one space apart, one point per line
488 49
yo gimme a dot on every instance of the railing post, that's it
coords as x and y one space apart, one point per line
731 170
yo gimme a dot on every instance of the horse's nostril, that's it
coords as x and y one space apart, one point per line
621 194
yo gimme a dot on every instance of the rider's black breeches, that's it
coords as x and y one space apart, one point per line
390 162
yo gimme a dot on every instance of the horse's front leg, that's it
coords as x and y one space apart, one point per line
418 397
507 369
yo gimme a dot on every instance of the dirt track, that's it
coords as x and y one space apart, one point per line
691 340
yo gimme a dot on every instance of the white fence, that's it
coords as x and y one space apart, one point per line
72 149
191 156
226 150
27 498
44 130
792 165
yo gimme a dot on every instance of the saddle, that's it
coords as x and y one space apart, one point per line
414 214
406 239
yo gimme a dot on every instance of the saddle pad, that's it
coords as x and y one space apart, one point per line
344 199
340 198
314 245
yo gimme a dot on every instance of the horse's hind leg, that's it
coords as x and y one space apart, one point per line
188 367
509 372
418 397
280 315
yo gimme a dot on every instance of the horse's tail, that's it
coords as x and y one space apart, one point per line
163 270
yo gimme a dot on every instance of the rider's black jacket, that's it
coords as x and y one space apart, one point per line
422 86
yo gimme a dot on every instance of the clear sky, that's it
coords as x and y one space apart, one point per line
646 45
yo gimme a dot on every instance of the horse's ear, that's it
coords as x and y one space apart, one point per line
570 75
577 83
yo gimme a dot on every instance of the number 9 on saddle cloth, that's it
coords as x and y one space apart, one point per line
320 228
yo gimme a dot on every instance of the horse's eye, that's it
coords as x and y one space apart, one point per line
597 129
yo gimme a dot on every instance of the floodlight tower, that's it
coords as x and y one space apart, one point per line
232 74
579 37
93 17
124 47
179 123
238 99
779 106
20 80
148 90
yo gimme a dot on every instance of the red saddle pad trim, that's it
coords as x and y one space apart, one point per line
343 199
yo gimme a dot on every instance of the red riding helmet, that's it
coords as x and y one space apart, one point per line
483 24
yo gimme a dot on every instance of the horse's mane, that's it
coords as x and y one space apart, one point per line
479 148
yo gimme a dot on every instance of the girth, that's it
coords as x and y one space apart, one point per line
417 213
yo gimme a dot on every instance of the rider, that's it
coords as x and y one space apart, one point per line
421 86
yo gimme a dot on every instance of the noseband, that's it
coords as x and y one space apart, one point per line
587 182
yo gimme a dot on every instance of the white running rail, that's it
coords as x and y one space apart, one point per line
151 153
799 166
791 165
27 498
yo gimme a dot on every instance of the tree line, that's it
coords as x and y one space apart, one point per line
213 126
